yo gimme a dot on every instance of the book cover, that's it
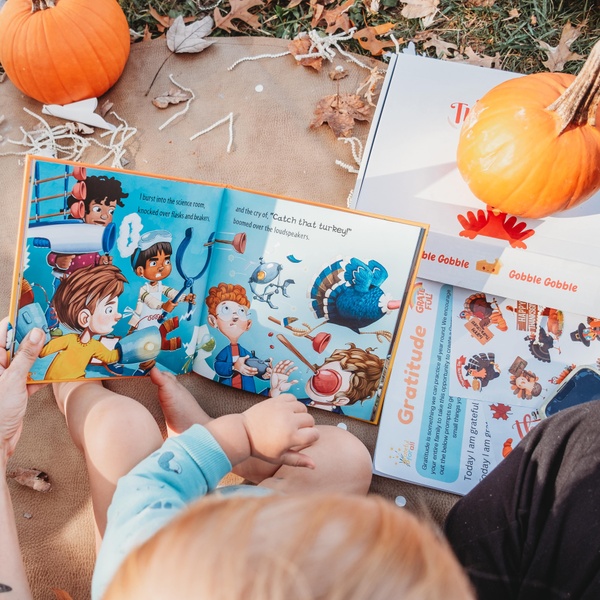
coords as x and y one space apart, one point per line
409 171
471 372
126 270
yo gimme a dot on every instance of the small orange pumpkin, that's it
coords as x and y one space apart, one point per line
531 145
65 50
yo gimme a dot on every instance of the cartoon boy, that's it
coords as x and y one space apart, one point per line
228 307
346 377
87 303
152 261
103 194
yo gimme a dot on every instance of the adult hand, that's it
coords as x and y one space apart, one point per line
278 428
13 386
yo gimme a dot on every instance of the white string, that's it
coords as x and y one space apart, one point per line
346 166
229 118
357 150
259 56
393 38
323 46
187 104
356 146
61 142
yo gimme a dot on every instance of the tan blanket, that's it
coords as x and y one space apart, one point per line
272 101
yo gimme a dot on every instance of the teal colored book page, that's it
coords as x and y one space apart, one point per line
307 301
113 266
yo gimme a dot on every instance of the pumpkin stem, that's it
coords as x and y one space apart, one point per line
41 5
578 104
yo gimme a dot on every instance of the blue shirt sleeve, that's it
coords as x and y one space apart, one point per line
185 468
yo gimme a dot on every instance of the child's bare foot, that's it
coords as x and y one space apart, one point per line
63 390
179 407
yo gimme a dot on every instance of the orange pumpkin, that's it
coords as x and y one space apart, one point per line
64 51
531 145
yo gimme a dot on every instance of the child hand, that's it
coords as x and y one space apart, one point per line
278 428
13 387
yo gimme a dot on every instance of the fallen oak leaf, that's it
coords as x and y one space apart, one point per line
240 9
367 38
173 96
470 57
561 54
163 21
420 9
337 18
189 38
300 46
33 478
432 40
340 111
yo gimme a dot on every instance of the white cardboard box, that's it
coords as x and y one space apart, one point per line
409 171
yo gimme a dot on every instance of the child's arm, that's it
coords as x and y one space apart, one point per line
13 402
190 465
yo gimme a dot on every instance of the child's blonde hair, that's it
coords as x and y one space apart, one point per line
312 546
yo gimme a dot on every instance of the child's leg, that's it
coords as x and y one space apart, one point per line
114 433
343 462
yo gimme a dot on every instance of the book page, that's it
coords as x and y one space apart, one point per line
110 262
310 302
471 372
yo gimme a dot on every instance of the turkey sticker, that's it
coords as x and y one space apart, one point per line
478 371
481 314
524 383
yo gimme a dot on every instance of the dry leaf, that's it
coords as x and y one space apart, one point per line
336 74
484 3
372 6
420 9
299 47
163 21
240 11
373 85
173 96
469 56
293 3
513 13
561 54
79 128
147 34
533 20
317 12
189 38
33 478
367 38
340 111
431 40
61 594
337 18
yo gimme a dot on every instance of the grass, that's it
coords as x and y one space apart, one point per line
486 30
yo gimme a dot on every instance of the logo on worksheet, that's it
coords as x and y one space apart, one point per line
420 300
403 455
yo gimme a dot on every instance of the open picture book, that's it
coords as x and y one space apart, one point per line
125 271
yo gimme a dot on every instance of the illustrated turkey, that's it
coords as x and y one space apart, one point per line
348 293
